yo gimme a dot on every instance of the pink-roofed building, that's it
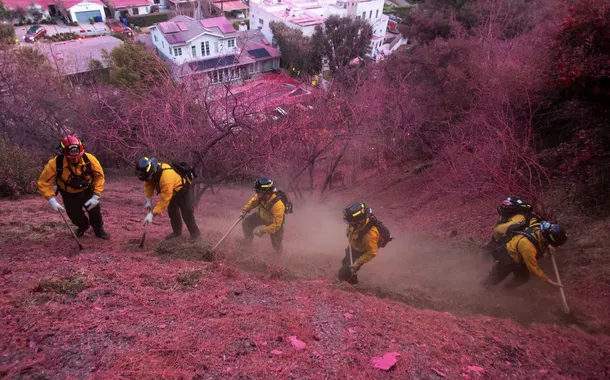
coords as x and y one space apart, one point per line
75 10
214 48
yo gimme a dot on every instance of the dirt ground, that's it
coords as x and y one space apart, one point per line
117 311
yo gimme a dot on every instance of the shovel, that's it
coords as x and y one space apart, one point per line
563 296
80 246
210 251
143 237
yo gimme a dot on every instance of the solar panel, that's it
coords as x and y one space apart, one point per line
169 27
182 26
259 53
174 38
214 63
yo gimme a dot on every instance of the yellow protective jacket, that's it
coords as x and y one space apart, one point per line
501 229
368 245
272 214
167 185
47 177
522 250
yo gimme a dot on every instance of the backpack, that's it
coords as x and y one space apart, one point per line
59 164
281 195
529 235
384 233
184 170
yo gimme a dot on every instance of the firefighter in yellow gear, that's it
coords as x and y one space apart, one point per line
515 215
364 237
271 213
79 178
174 195
522 253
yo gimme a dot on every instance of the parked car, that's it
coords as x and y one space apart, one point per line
238 15
34 33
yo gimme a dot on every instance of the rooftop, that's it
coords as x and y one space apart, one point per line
25 4
73 57
130 3
182 29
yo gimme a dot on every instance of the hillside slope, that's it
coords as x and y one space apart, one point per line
115 311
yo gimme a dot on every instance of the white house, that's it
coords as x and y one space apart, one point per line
131 7
306 14
212 46
77 10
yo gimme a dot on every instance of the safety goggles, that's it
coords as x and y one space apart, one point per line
73 150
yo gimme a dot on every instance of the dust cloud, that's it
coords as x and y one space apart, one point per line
423 272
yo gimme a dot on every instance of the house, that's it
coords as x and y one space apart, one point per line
214 48
130 7
306 15
80 11
73 58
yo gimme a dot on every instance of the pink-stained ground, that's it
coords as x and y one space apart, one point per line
135 319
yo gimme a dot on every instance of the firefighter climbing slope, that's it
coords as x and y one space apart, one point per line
365 235
80 181
173 184
273 205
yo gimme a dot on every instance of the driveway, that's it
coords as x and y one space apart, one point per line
60 28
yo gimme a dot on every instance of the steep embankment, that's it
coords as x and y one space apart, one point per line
115 311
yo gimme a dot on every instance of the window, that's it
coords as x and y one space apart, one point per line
170 50
194 50
377 14
254 68
177 52
371 14
216 47
163 44
205 48
155 36
363 15
231 43
260 21
135 11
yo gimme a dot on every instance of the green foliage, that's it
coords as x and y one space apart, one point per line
7 35
147 20
341 40
236 23
582 51
18 170
134 65
297 50
121 36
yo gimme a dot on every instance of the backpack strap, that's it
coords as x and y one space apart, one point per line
59 165
532 239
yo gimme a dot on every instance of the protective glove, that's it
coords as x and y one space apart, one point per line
54 205
149 218
93 202
148 204
260 233
243 214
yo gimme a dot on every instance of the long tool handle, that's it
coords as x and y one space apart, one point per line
80 246
143 236
227 234
563 296
351 260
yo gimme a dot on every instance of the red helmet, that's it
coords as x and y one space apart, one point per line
71 146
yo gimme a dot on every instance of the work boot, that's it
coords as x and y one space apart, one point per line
173 235
102 235
80 231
